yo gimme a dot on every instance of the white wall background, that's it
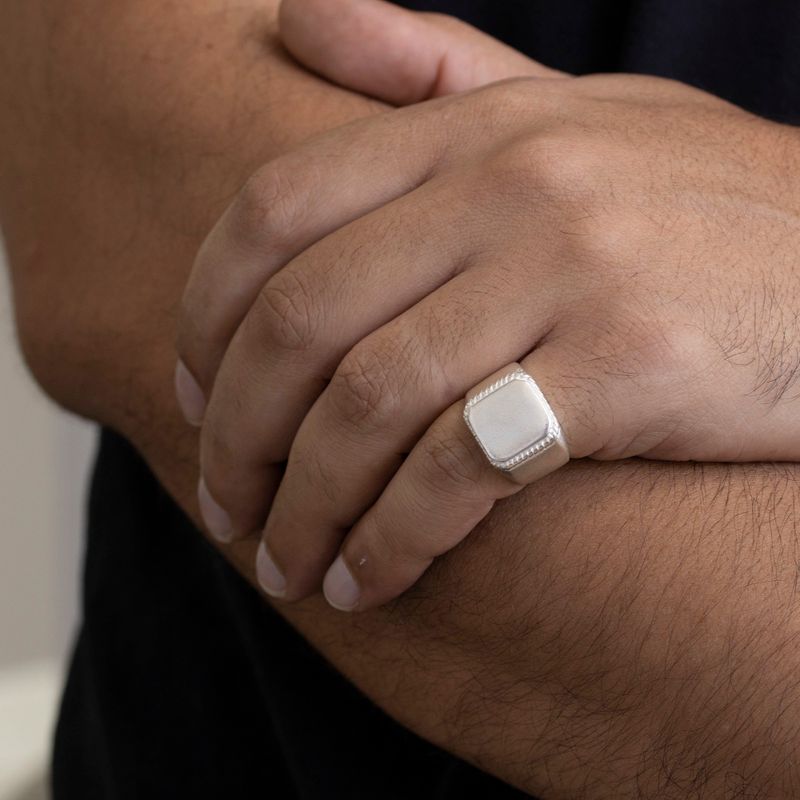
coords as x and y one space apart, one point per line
44 461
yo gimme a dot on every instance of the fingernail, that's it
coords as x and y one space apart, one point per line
190 395
214 516
269 576
340 588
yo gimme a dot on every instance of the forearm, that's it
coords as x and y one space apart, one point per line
609 627
615 631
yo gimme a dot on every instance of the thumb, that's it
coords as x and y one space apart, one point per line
396 55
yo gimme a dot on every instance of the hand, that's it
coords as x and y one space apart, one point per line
629 239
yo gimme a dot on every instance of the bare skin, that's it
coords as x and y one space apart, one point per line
361 285
614 631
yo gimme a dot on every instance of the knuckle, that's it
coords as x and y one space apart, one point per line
554 166
599 243
629 340
365 390
677 347
286 314
266 209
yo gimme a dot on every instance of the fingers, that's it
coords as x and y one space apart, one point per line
446 486
385 393
396 55
306 318
288 205
442 491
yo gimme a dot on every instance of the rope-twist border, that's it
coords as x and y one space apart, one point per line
553 428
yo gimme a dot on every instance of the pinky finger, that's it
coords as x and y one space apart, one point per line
444 488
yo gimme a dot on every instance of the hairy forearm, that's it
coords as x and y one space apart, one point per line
623 631
620 629
616 631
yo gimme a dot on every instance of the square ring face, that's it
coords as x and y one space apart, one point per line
511 420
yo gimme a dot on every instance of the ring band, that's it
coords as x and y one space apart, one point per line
515 426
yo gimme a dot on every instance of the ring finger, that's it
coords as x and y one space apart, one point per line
384 395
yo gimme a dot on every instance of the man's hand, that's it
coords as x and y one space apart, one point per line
632 241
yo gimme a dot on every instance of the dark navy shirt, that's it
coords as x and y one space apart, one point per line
184 684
